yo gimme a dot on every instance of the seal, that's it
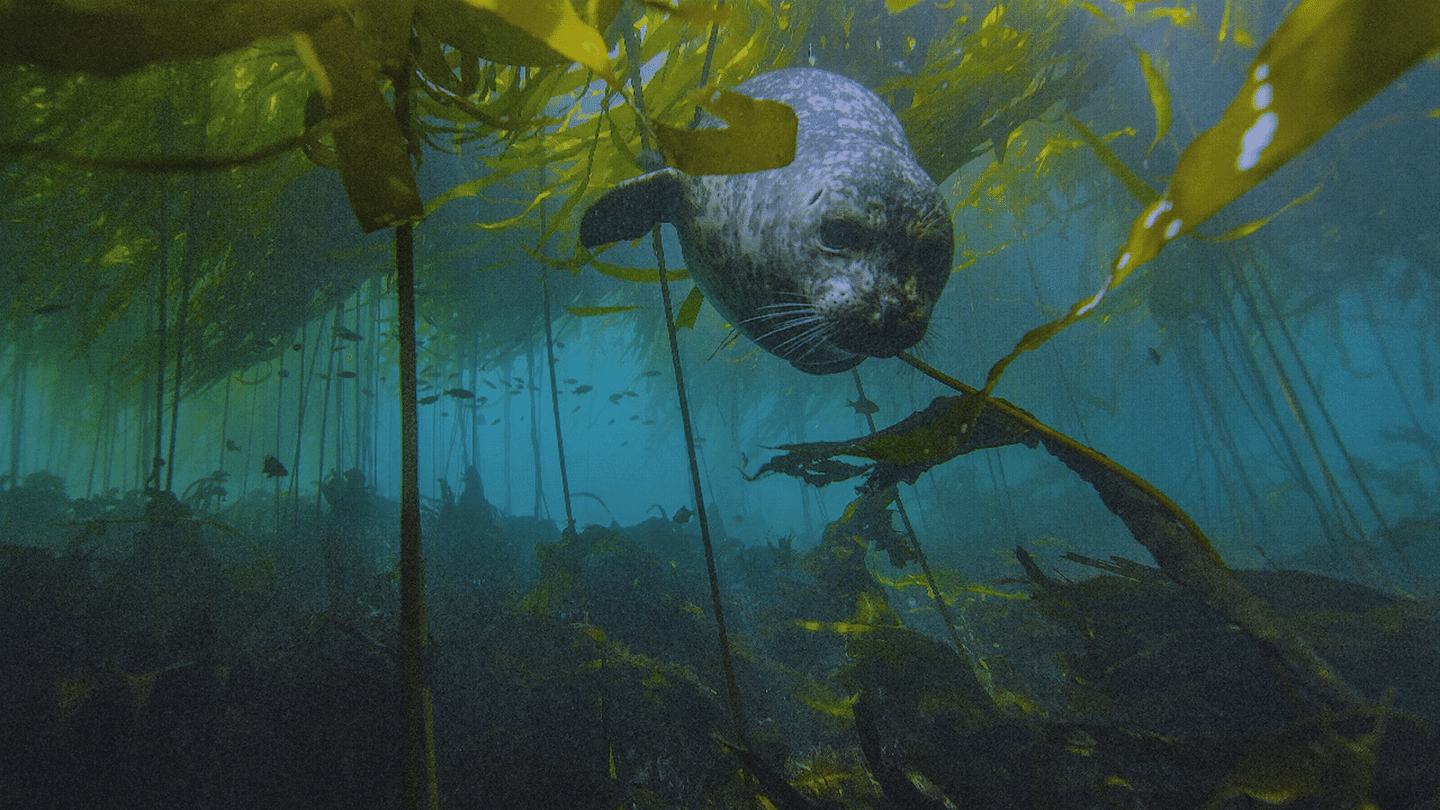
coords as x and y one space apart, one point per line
839 256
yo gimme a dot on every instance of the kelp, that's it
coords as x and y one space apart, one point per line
761 135
954 426
1324 60
989 73
122 37
373 156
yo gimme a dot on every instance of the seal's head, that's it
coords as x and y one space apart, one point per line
839 256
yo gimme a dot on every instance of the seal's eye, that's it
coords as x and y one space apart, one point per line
843 234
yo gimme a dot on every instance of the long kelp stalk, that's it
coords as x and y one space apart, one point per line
301 400
188 259
555 407
966 651
420 787
1345 454
325 406
165 115
1359 543
732 690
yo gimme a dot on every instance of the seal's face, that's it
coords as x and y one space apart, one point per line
877 260
839 256
845 267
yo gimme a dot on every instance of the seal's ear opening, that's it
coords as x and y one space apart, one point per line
632 208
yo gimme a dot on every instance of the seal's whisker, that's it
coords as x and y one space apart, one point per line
815 334
816 340
785 347
792 324
780 314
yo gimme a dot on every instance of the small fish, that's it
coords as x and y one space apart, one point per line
460 393
615 398
491 384
559 345
630 393
481 400
1154 356
512 392
367 392
347 334
863 406
583 389
738 518
346 375
519 382
576 410
634 418
570 381
272 467
283 373
651 422
296 347
427 400
612 421
682 515
496 422
51 309
445 413
232 446
651 373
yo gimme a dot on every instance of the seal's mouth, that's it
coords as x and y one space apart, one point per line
884 329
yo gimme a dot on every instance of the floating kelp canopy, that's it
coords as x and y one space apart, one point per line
201 199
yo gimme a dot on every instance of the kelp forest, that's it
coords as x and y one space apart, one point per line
337 473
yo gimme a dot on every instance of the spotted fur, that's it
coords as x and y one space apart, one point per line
839 256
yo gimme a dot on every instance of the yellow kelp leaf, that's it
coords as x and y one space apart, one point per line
114 38
1255 225
1326 59
555 23
638 275
374 159
760 135
591 312
690 309
844 628
897 6
1159 96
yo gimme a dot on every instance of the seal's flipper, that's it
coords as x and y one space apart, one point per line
632 208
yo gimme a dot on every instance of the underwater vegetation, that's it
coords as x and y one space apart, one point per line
305 360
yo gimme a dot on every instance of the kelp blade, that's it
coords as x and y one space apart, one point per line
555 23
374 159
122 37
1325 60
760 134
